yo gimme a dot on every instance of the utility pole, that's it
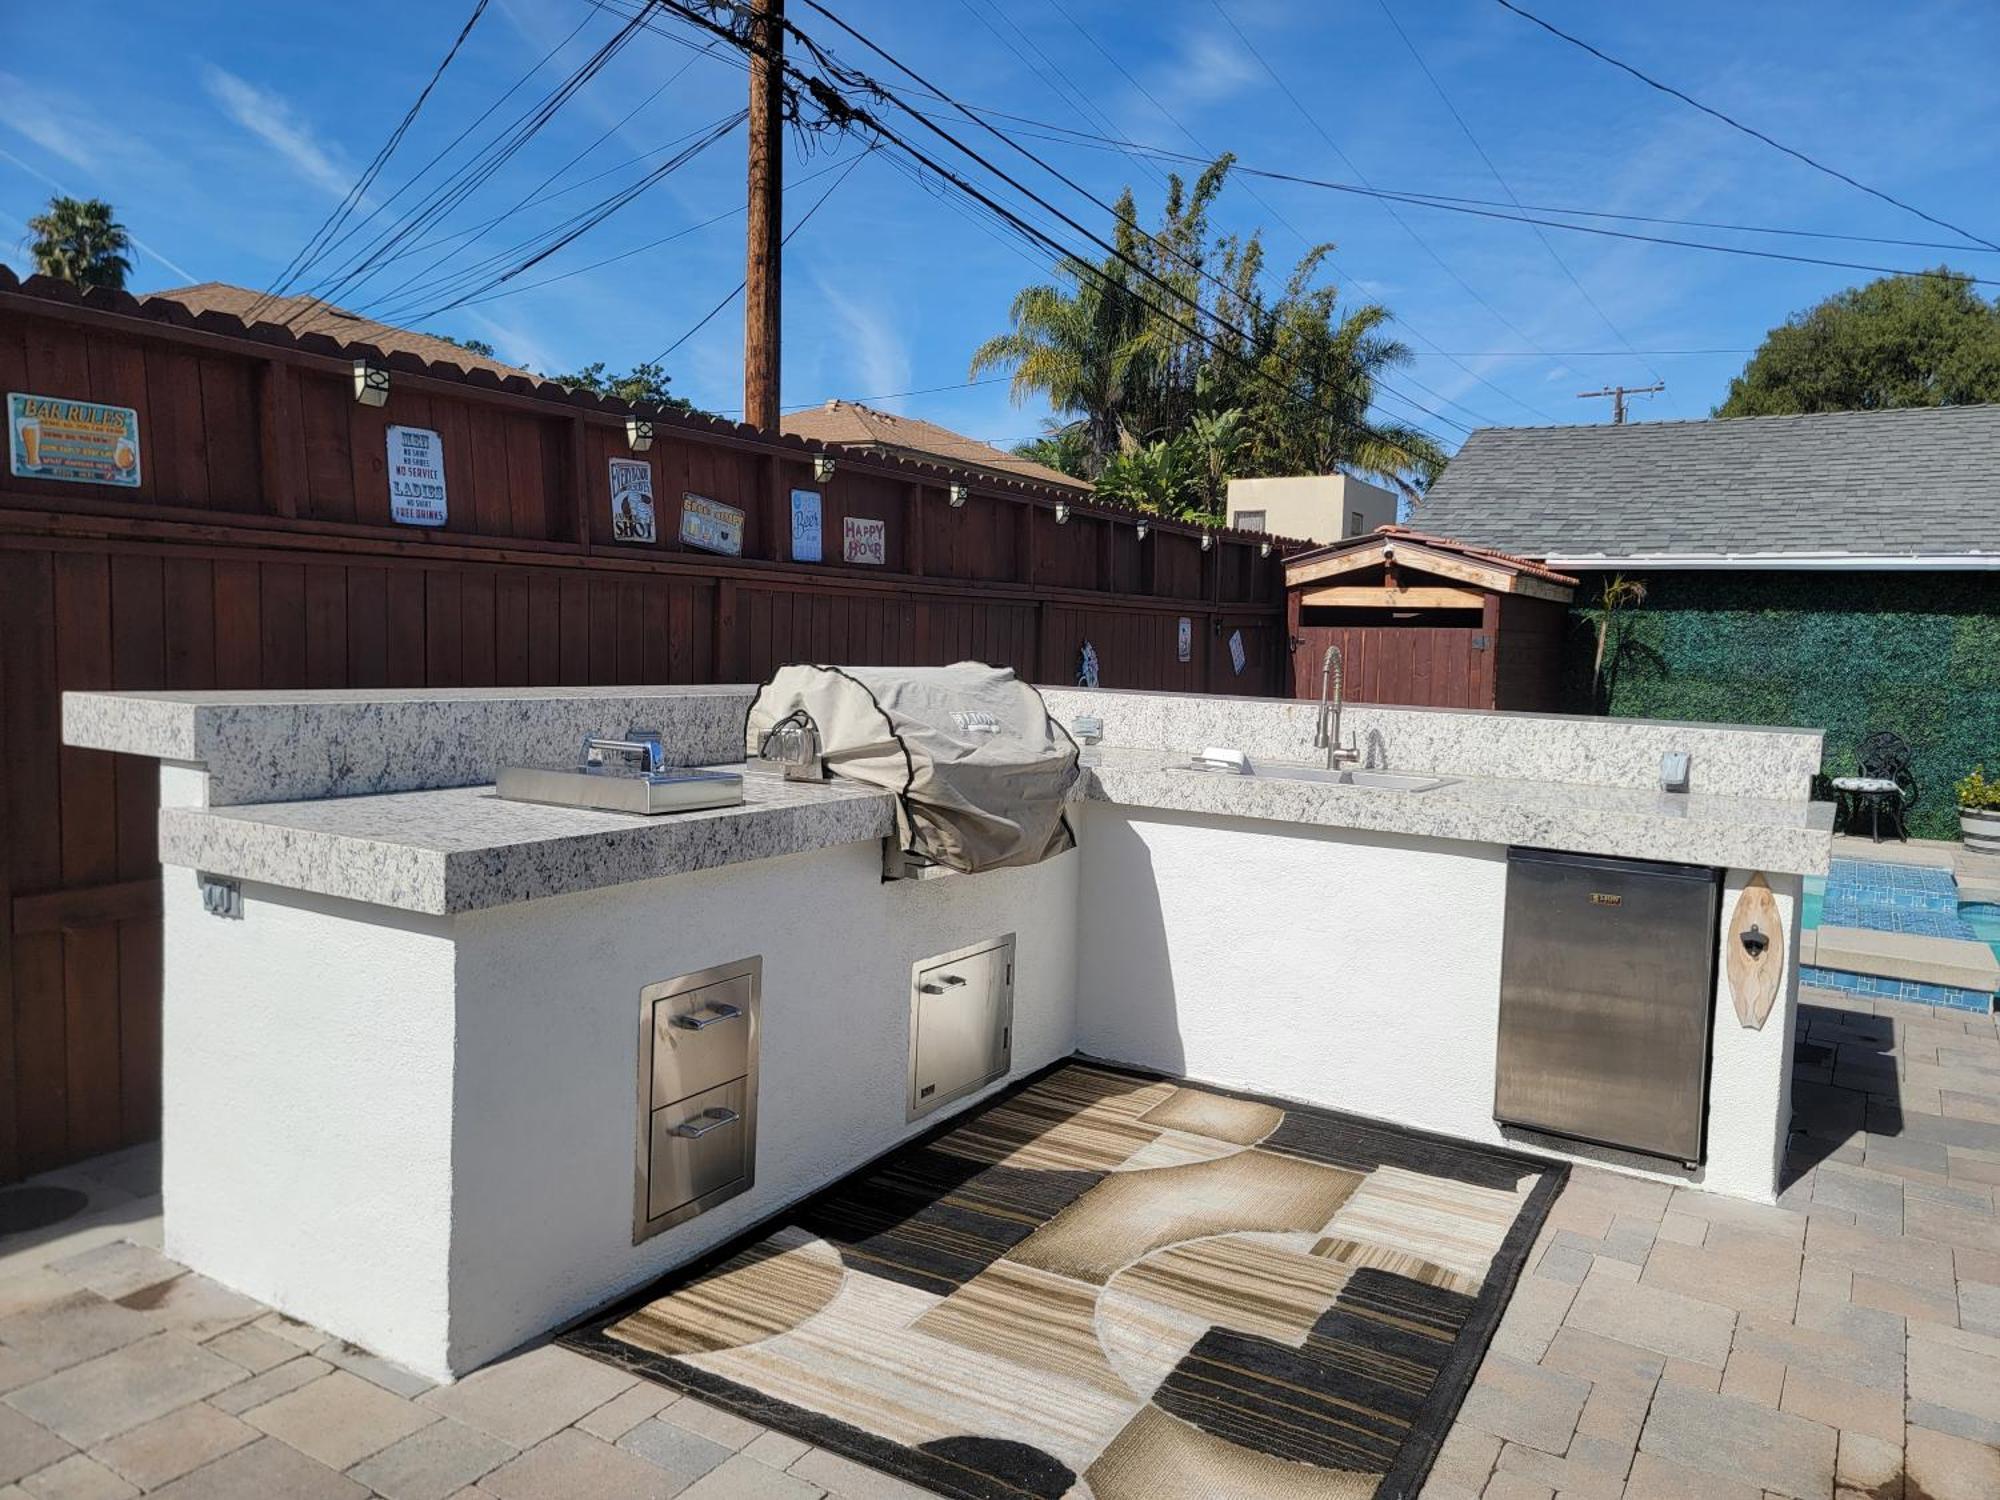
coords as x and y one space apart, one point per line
1618 393
763 271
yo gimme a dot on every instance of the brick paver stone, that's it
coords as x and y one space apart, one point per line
674 1448
1834 1402
99 1398
1742 1441
26 1446
77 1478
253 1348
1654 1318
120 1267
339 1419
573 1465
72 1329
626 1410
741 1477
272 1384
168 1447
777 1449
1955 1369
265 1470
524 1399
1656 1478
1525 1403
852 1481
1941 1467
432 1463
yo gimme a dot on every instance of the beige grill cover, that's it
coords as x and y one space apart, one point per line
979 769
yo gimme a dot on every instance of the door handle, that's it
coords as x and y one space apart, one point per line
689 1021
715 1119
944 981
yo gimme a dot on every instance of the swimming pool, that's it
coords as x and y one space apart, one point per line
1983 917
1918 900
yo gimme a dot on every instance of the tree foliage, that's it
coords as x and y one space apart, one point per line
643 384
78 241
1899 341
470 346
1162 396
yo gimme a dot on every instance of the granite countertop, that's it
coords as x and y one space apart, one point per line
1792 837
462 848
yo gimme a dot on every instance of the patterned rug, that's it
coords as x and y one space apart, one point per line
1109 1285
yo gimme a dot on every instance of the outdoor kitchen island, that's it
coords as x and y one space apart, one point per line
399 1039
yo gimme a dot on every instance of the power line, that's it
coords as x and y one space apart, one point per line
1334 146
832 100
1193 303
804 219
331 224
1749 130
1452 109
1269 208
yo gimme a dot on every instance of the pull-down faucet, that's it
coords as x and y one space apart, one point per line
1326 735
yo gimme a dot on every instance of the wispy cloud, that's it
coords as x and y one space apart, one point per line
1206 67
515 343
272 119
139 244
880 361
58 123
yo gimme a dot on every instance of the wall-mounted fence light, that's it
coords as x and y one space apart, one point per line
1062 513
1142 531
638 434
822 467
371 383
1264 549
1207 540
958 494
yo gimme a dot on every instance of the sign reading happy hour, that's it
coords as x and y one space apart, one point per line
416 477
631 500
80 441
864 541
711 525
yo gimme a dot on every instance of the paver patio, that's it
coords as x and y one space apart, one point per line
1663 1345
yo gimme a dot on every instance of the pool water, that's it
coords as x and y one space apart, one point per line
1812 902
1983 917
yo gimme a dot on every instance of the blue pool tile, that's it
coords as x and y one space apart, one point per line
1871 986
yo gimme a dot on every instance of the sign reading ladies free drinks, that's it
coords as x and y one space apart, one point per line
416 476
80 441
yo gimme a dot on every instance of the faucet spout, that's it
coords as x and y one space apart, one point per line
1326 734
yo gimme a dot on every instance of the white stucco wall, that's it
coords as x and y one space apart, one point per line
548 1014
306 1122
420 1137
1357 971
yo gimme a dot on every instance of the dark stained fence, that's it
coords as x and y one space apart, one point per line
259 552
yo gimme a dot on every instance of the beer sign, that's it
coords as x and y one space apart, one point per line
416 477
82 442
711 525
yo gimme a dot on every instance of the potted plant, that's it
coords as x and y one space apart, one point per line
1979 812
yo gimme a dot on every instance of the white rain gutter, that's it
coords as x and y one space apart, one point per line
1781 562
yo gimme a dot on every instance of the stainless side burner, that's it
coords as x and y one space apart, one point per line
696 1140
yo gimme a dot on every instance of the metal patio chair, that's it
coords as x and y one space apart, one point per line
1884 786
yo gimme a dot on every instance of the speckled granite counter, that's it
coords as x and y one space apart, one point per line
1751 833
462 848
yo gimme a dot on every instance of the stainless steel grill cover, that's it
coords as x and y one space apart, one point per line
979 769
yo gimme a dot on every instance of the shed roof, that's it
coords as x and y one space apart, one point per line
1836 488
1383 538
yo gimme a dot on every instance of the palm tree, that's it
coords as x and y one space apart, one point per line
1217 440
1619 593
78 241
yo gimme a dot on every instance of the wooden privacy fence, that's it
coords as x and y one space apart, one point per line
258 550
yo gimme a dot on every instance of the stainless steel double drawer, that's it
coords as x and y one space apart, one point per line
697 1131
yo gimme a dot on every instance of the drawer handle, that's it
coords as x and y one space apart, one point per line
938 989
707 1120
689 1021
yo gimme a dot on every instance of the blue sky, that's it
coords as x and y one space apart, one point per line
224 132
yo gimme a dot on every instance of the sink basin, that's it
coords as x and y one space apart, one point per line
1381 781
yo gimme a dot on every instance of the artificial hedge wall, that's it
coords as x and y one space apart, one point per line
1916 653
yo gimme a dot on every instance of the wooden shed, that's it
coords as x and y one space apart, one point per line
1428 621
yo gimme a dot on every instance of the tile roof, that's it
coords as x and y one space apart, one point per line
850 424
1918 482
309 315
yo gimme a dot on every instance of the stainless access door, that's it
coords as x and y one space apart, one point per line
1607 999
961 1022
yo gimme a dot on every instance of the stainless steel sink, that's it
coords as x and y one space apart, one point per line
1381 781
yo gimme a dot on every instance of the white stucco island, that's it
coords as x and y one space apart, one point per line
404 1064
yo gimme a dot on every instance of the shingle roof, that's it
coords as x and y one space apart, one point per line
308 315
850 424
1921 482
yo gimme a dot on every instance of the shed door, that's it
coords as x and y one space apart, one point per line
1424 666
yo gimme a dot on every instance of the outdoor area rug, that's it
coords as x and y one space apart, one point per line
1108 1284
